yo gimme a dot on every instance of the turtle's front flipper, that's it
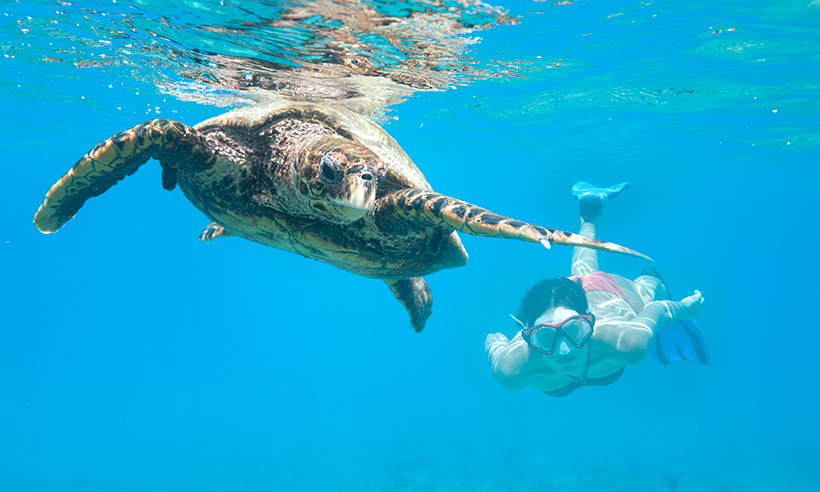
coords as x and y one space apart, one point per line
171 142
414 294
414 205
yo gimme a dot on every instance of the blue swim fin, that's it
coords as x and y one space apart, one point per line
591 199
681 342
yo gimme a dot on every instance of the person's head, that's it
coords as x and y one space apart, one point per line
557 302
549 294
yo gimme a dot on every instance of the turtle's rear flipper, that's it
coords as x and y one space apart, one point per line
426 207
171 142
414 294
213 231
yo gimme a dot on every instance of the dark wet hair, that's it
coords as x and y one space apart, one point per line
552 293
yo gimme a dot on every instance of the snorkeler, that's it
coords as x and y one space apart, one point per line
585 329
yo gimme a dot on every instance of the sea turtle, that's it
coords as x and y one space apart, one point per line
317 180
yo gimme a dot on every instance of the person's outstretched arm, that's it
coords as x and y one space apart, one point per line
630 340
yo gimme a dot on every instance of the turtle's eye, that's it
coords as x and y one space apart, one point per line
328 171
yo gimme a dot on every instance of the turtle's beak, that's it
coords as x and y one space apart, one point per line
360 197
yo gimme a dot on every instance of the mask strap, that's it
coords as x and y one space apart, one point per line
523 326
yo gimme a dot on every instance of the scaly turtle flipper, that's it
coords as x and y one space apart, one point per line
436 209
414 294
171 142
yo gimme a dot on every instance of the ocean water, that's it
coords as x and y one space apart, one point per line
133 357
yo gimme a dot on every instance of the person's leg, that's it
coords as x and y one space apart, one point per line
650 289
651 285
591 202
585 262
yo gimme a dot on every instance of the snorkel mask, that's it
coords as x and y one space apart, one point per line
541 337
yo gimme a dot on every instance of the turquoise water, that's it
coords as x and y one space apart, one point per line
133 357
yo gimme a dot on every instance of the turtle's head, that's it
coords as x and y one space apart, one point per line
338 178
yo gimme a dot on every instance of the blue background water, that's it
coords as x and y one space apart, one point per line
133 357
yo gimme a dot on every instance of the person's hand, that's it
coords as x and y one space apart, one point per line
694 304
492 338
